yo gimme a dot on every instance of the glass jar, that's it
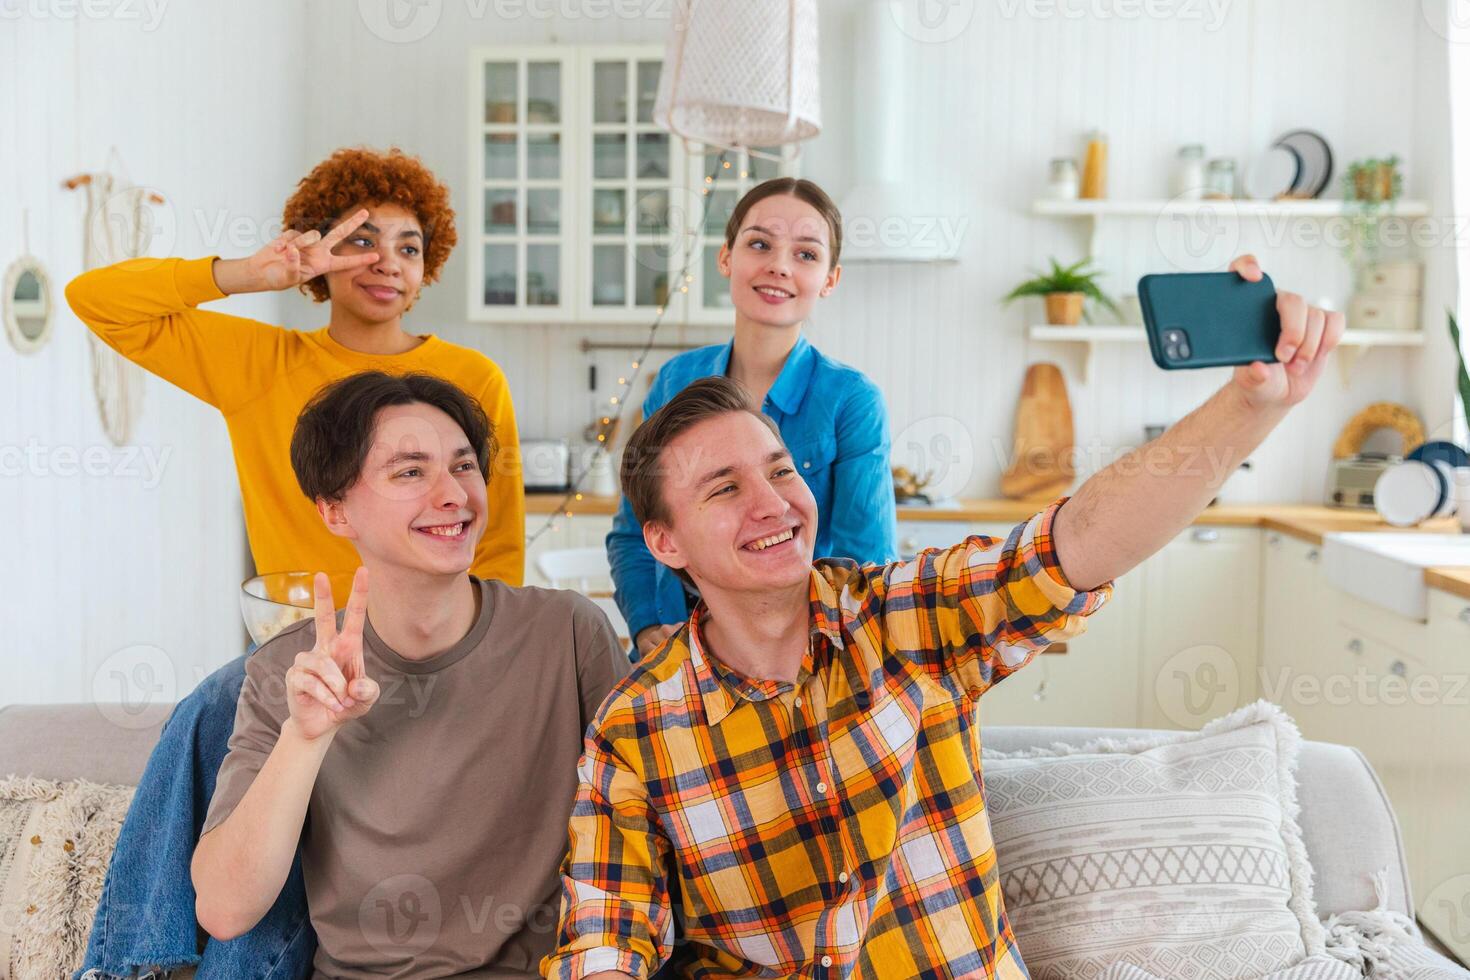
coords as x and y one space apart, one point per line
1062 183
1189 173
1220 179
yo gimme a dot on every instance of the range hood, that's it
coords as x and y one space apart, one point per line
889 216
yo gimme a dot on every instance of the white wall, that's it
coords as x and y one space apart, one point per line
1011 88
201 103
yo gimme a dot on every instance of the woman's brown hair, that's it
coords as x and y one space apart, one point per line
804 190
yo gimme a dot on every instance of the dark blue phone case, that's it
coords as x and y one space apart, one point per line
1221 319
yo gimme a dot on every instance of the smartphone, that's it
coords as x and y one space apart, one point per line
1209 319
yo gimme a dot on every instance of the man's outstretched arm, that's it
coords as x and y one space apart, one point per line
1135 506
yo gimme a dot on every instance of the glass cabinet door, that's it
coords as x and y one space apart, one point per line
520 267
709 292
633 249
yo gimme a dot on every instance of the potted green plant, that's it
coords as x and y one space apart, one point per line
1373 180
1368 187
1065 289
1464 386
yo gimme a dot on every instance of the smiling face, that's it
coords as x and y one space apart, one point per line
419 501
385 289
740 518
780 261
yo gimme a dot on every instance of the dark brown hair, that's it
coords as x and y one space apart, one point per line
804 190
335 430
354 177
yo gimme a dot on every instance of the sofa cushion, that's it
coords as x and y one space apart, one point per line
104 743
1346 819
1312 968
56 839
1177 853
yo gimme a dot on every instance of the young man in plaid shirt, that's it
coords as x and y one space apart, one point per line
791 783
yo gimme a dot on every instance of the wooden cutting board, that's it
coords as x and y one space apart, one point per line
1041 455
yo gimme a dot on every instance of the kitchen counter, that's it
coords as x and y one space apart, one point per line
1455 581
1305 521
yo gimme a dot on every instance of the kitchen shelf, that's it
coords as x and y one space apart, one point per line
1236 207
1352 346
1232 209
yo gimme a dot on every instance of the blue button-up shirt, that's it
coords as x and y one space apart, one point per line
832 419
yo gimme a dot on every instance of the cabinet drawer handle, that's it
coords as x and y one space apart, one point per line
1314 555
1399 669
1465 615
1205 535
1273 539
1355 645
910 545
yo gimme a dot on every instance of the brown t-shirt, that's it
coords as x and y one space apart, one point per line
438 820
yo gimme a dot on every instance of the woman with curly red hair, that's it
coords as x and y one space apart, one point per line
364 233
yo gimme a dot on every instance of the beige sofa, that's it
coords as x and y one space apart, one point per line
1349 827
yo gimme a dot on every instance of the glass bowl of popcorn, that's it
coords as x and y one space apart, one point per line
270 603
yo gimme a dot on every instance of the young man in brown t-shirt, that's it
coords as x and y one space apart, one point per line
422 747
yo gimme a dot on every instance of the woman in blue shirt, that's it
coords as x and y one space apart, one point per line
781 251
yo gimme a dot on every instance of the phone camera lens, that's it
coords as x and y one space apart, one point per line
1183 349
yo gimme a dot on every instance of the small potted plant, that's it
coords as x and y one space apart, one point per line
1463 383
1368 186
1373 181
1065 289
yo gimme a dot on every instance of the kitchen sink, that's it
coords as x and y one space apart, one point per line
1387 568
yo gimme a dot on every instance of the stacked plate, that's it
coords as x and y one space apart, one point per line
1420 487
1297 166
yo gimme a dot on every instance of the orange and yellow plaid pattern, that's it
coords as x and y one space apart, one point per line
831 827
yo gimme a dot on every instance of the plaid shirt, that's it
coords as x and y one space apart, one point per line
831 827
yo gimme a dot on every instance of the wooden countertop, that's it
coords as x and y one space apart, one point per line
1305 521
1455 581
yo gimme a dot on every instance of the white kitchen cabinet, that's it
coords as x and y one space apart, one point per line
1295 624
522 169
630 243
575 187
1442 887
1093 684
1201 623
585 211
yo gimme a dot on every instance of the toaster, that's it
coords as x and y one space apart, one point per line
546 465
1350 482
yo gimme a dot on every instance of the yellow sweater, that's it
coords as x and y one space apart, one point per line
260 377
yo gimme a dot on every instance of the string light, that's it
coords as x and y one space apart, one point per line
619 401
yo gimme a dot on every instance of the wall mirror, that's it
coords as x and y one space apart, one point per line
28 309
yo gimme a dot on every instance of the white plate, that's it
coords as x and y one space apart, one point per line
1273 173
1408 492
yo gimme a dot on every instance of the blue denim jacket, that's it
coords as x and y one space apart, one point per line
834 421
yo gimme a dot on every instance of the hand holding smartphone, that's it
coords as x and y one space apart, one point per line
1209 319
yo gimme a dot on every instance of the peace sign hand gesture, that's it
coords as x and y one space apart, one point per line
327 685
296 257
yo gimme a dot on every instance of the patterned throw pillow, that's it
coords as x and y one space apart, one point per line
56 839
1179 854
